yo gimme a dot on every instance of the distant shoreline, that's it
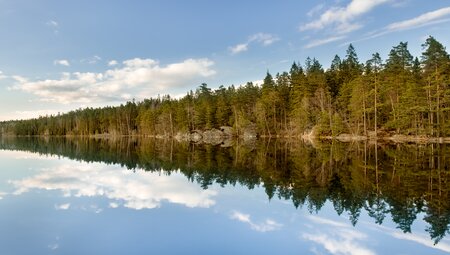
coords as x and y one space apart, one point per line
346 138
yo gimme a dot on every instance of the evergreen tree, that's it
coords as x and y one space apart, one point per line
373 69
436 64
397 73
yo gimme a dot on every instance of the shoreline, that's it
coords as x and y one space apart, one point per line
341 138
392 139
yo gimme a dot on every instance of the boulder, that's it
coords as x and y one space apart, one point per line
227 143
195 136
250 132
182 137
227 131
213 136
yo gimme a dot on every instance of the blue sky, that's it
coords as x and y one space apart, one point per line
61 55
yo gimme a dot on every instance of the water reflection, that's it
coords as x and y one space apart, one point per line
265 226
404 182
133 190
337 237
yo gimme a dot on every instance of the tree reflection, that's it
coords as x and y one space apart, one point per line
402 181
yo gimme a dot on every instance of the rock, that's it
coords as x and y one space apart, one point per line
349 138
250 132
184 137
212 133
195 136
227 143
227 131
213 136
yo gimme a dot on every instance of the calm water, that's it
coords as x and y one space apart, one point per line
72 196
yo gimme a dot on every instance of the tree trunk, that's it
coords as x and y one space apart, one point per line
376 105
171 124
364 114
438 108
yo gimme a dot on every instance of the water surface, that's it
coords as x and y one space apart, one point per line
144 196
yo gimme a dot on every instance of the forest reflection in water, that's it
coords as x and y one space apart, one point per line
401 181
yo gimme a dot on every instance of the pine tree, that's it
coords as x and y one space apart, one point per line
299 100
435 62
334 76
351 68
397 72
373 69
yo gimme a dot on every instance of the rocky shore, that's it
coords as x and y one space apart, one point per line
223 135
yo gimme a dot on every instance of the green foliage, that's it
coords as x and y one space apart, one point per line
400 96
338 125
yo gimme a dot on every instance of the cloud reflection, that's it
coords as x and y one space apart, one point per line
26 155
265 226
53 246
422 239
136 190
62 206
338 238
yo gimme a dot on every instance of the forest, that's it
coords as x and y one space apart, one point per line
403 94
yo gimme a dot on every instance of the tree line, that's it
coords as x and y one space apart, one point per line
403 182
401 95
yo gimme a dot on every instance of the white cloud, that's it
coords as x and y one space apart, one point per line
2 76
62 206
28 114
62 62
255 82
19 78
113 63
338 238
316 9
2 194
136 190
35 113
265 226
400 3
138 78
426 19
239 48
261 38
343 19
52 23
92 60
319 42
113 205
421 20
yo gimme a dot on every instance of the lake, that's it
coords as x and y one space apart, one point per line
147 196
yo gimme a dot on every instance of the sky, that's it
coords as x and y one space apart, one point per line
57 56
